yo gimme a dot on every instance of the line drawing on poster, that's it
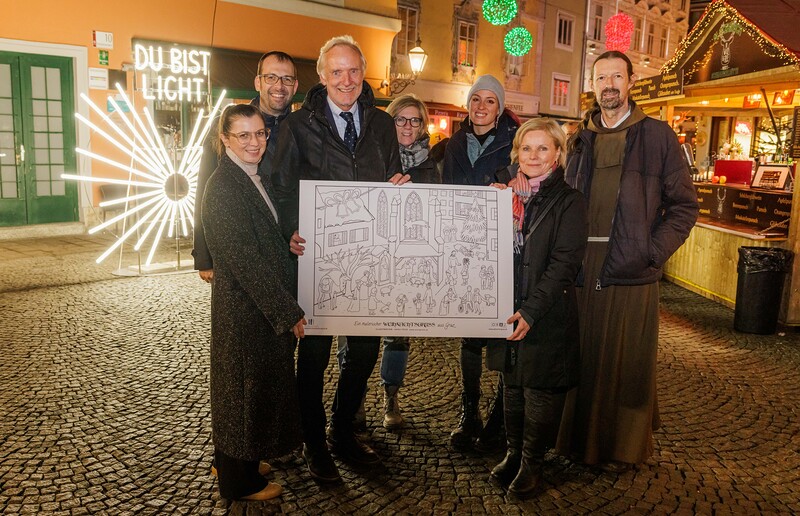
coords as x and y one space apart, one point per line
413 251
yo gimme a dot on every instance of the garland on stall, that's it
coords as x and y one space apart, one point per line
717 8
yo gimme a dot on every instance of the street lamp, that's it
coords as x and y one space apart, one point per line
398 82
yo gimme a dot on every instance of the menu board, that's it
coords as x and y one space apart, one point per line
755 208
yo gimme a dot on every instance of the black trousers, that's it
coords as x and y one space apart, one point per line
472 366
356 367
237 478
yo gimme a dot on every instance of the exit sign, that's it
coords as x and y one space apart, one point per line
103 39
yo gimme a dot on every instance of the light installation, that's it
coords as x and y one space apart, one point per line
619 30
499 12
164 191
518 41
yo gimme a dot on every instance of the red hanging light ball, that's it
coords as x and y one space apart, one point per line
619 30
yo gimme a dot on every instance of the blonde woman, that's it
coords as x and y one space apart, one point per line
540 360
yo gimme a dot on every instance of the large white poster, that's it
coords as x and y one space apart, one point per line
411 260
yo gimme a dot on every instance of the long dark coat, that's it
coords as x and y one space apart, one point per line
544 275
254 412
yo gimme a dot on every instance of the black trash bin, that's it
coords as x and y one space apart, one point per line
762 271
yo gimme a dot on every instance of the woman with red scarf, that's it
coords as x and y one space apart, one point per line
540 360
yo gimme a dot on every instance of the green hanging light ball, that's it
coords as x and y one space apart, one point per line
518 41
499 12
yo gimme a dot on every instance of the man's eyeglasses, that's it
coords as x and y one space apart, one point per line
271 78
400 121
245 137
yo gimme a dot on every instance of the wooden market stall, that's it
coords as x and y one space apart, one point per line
729 92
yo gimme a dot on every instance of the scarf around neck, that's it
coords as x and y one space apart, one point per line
524 189
414 154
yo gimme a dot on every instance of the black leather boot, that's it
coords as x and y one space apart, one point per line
528 477
514 416
470 425
493 434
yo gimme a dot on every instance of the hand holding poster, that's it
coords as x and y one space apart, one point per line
412 260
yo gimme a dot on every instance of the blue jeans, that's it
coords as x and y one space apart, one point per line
394 361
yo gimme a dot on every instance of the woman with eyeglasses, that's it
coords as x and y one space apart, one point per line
255 320
411 122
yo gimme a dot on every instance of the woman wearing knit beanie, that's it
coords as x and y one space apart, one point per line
475 152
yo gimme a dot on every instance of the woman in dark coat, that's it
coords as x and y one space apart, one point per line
540 360
255 319
475 152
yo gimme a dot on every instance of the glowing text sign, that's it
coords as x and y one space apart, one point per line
178 73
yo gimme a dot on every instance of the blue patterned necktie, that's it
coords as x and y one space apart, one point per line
349 131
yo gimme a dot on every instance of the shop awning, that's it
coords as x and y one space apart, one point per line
442 109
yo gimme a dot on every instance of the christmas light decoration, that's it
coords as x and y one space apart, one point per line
499 12
167 192
518 41
716 10
619 30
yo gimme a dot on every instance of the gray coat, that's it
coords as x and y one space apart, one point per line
253 390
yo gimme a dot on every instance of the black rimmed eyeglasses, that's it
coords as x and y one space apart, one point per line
400 121
271 78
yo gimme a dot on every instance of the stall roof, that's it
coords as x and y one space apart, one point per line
775 18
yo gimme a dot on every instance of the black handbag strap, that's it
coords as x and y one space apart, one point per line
542 211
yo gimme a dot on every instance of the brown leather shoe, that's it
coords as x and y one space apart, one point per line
272 490
263 469
350 449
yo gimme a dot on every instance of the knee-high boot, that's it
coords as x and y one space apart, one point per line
538 422
514 416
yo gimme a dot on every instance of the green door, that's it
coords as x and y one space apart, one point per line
37 140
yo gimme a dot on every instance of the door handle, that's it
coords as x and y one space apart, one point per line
21 155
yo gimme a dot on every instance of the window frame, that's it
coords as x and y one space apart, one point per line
472 30
597 29
403 11
563 18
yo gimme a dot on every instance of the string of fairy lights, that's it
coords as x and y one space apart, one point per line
717 10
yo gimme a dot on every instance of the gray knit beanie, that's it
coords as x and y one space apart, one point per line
488 82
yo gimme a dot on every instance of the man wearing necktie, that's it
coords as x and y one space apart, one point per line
338 135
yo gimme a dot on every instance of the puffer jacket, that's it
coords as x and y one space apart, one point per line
656 202
457 168
309 147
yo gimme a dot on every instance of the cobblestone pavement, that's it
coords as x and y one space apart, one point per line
104 396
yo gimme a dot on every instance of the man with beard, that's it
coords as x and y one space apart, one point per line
642 206
276 84
338 135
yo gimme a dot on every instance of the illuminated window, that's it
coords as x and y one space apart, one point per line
564 33
406 39
559 98
467 34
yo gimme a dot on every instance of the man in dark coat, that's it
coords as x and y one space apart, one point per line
642 206
337 135
276 83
